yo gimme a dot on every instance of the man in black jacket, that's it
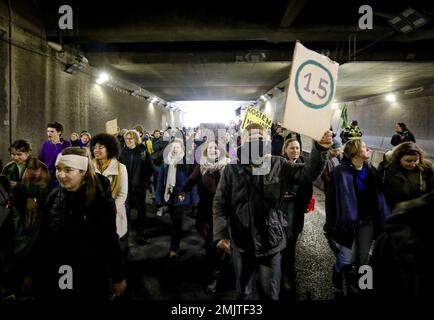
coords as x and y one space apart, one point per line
247 210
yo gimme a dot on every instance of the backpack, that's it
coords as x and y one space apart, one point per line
5 199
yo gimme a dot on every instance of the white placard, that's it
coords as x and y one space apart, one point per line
312 86
111 127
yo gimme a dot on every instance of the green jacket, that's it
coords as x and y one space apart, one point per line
31 189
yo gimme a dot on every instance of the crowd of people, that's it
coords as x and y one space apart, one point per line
71 207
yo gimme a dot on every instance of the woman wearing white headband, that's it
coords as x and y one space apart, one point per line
79 233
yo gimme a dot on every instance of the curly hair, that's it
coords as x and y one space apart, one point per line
109 141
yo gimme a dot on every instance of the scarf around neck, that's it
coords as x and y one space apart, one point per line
209 167
116 181
172 161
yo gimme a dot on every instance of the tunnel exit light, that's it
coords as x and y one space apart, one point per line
103 77
197 112
391 97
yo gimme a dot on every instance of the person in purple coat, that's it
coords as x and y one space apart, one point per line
51 148
359 210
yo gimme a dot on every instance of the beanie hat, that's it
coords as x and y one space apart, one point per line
336 144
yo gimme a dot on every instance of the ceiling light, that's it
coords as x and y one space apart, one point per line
154 99
335 106
103 77
408 20
391 97
263 97
55 46
74 68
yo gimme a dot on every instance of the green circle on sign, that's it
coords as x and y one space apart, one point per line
300 97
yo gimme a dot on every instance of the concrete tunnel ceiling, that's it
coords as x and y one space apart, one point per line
237 50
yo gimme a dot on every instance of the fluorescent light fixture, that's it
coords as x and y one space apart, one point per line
103 77
408 20
74 68
391 97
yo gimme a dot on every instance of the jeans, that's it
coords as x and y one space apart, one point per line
268 274
359 252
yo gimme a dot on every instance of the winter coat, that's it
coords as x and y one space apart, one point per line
116 168
299 202
401 260
206 186
83 238
139 166
277 144
30 191
49 152
158 146
247 208
182 173
345 205
400 184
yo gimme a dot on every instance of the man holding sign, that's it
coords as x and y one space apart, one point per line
312 86
247 211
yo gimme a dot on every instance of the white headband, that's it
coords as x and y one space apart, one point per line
73 161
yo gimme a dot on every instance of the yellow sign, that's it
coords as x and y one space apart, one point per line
111 127
255 116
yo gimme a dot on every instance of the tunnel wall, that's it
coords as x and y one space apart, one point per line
43 92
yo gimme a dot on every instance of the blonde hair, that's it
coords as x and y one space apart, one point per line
134 134
352 148
223 152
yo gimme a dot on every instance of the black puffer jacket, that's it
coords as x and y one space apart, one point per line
250 205
83 238
401 261
139 166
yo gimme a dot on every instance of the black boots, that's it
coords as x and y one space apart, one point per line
212 285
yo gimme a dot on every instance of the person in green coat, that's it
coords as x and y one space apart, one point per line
29 180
